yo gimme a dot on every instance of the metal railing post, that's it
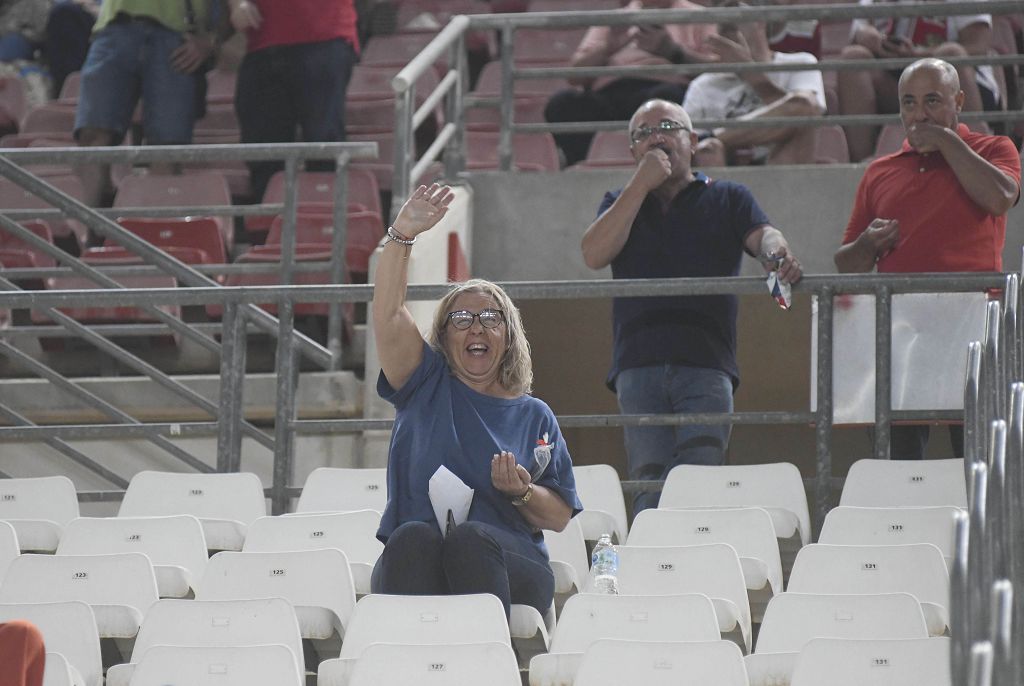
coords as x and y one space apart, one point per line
1011 324
284 433
978 576
455 110
339 257
959 601
974 425
883 371
980 673
823 414
1001 634
507 97
232 383
404 142
995 505
992 375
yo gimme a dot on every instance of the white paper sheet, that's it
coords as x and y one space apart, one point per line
449 492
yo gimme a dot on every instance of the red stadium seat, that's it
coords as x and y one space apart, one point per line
220 86
109 256
178 190
890 139
12 103
572 5
70 88
200 234
14 244
530 152
547 46
364 231
14 197
528 110
56 120
315 193
489 83
830 146
609 149
396 50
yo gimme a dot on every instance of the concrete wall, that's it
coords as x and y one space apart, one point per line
528 227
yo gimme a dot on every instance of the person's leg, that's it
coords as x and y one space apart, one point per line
649 449
700 390
572 105
857 95
168 95
22 654
410 563
265 108
322 72
68 28
481 558
908 442
956 440
109 91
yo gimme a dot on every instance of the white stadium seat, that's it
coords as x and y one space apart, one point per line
120 587
38 508
713 570
748 529
8 546
777 487
452 664
426 620
212 623
918 569
225 503
353 533
318 584
57 671
589 617
567 550
891 526
903 483
860 662
662 663
69 629
604 507
175 545
793 619
334 489
262 665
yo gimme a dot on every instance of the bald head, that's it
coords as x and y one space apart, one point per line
944 71
673 109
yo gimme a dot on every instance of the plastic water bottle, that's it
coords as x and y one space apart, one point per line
604 567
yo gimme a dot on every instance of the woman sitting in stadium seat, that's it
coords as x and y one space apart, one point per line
463 405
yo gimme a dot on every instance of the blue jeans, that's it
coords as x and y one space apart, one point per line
285 87
131 58
474 558
672 389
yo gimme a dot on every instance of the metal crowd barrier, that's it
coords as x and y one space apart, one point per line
987 577
452 90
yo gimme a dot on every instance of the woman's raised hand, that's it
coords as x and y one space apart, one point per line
423 210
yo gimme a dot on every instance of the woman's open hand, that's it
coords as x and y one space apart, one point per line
423 210
508 476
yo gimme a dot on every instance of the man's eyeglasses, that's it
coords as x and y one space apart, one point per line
463 319
665 125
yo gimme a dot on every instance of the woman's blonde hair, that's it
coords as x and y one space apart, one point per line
516 371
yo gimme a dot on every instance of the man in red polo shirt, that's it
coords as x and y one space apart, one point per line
937 205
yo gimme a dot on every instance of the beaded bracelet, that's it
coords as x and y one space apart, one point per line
398 238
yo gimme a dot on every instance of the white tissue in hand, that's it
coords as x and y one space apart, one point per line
449 492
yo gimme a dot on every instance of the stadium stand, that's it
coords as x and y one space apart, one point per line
801 635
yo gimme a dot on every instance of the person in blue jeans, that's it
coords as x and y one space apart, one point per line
676 355
462 403
142 49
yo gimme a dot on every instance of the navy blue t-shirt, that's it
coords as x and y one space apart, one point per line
701 233
442 421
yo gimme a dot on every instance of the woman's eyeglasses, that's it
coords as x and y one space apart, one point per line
641 134
463 319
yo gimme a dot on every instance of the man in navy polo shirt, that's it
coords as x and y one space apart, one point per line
676 354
